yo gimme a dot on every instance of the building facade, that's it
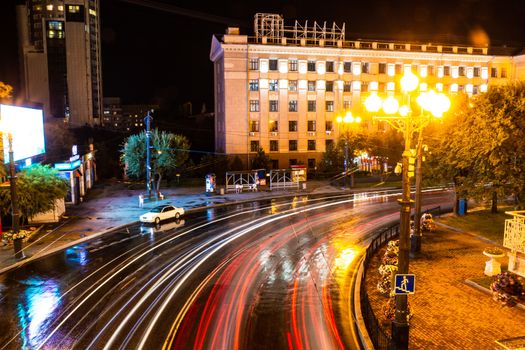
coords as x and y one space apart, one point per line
59 50
282 88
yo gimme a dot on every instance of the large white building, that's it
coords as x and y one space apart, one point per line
59 49
282 88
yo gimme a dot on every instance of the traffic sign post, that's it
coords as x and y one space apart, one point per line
405 284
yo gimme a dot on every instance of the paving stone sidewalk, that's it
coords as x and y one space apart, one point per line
448 312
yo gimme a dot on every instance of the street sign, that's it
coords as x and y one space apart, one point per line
405 284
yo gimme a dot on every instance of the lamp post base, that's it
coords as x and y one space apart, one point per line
400 335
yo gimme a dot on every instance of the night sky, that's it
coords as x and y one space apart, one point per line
151 56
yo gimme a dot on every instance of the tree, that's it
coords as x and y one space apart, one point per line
168 152
261 160
5 90
38 187
483 147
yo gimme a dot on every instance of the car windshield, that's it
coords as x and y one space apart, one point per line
156 210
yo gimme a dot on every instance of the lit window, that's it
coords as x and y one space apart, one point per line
254 85
292 85
483 88
470 72
469 89
373 85
73 8
391 69
92 12
484 73
390 86
274 126
440 72
38 8
423 87
51 34
254 126
254 63
454 72
60 8
356 68
292 65
49 7
356 85
254 105
423 71
454 88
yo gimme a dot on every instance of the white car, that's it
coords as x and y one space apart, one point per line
162 212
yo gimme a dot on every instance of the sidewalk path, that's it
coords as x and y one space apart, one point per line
448 313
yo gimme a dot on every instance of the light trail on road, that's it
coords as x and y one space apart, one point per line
273 275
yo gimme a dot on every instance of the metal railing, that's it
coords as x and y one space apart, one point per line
378 335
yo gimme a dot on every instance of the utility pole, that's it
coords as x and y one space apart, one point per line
148 119
15 212
415 246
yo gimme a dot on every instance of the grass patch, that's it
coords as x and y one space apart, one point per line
481 222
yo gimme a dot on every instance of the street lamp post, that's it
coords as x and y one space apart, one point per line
147 119
345 121
406 123
415 246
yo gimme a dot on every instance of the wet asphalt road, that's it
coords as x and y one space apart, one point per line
266 275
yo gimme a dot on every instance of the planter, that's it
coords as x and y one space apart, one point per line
17 244
492 266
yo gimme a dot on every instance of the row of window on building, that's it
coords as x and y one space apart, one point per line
293 106
273 126
292 145
356 85
390 69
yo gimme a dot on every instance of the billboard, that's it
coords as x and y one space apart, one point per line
27 128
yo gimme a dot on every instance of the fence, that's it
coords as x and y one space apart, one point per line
380 338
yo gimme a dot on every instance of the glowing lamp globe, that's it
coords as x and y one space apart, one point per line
390 106
373 103
409 82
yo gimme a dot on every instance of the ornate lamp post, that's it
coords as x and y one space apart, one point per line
403 120
346 121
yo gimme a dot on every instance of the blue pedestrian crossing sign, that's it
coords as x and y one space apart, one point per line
405 284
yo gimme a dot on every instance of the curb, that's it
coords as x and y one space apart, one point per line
360 322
